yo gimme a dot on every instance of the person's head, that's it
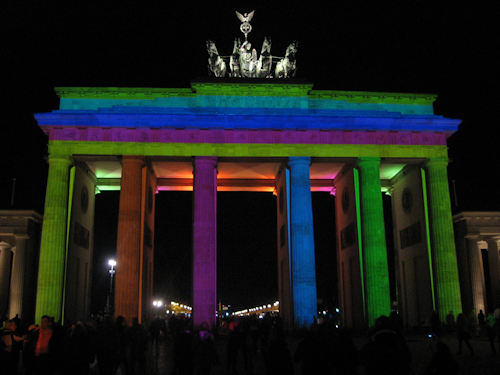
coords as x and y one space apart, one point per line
204 326
45 322
11 324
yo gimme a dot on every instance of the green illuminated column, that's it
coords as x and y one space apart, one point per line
444 256
51 267
378 299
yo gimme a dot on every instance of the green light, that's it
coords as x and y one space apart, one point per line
50 288
429 253
360 236
374 247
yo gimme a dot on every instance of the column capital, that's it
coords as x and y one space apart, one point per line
5 245
436 162
60 159
133 159
211 160
294 160
362 162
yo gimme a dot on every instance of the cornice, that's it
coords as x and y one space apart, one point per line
121 92
374 97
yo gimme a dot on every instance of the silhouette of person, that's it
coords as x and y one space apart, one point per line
463 333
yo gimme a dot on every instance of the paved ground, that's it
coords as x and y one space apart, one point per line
482 363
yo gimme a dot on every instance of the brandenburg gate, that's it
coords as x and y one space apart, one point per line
274 136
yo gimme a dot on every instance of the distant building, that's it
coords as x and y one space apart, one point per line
20 232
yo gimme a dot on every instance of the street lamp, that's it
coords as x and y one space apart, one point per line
112 271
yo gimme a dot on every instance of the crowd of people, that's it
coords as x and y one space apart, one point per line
108 346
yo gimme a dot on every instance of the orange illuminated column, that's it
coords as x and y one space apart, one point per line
128 252
444 256
205 240
52 262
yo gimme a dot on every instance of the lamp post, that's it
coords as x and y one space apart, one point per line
108 309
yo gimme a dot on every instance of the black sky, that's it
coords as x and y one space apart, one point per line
417 47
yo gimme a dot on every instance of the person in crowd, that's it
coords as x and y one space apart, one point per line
473 324
121 328
183 353
154 330
450 320
107 347
346 355
435 324
491 328
386 352
233 345
481 319
204 351
315 352
442 362
463 333
138 340
78 350
277 358
10 345
43 348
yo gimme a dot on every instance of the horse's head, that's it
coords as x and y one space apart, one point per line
292 48
266 46
236 47
211 48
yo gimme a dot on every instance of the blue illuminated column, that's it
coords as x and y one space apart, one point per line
302 243
377 292
205 240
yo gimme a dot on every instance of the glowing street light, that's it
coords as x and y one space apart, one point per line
112 271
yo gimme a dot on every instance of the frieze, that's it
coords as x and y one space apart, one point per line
253 136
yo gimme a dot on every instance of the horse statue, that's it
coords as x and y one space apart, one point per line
265 60
234 60
287 67
248 60
216 64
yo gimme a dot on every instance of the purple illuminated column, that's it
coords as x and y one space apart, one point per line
205 240
302 235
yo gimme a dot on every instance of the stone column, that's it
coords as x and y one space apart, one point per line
128 246
374 250
302 243
17 280
51 268
477 275
444 256
5 261
205 240
494 262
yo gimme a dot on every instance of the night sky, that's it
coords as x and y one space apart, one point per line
391 46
